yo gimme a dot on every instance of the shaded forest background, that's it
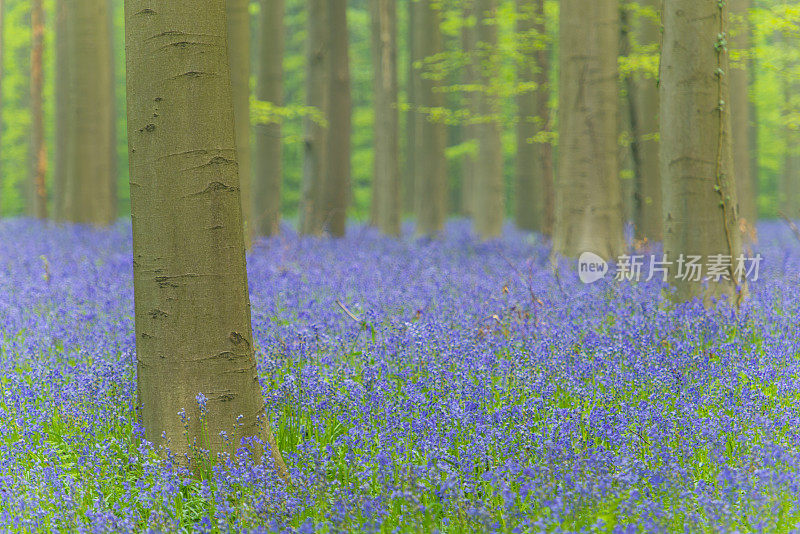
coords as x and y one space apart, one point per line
774 64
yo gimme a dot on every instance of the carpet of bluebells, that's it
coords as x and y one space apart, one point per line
471 387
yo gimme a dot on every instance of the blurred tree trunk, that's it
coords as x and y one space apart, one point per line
337 181
269 158
315 146
38 149
490 200
63 105
2 72
386 200
238 16
468 132
789 183
112 69
430 186
740 112
87 187
409 174
699 191
193 329
534 173
643 105
588 193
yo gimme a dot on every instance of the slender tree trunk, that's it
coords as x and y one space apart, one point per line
316 141
490 201
588 193
696 160
193 330
112 154
63 104
469 131
643 104
430 188
409 173
337 180
740 113
534 174
87 189
238 14
2 72
789 183
38 149
386 198
268 161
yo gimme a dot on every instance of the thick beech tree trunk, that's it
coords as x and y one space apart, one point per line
430 187
588 193
193 331
386 199
238 16
88 163
316 139
696 161
490 187
268 160
337 180
534 173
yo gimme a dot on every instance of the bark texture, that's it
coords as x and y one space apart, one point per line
430 187
38 149
337 180
238 16
696 160
316 141
490 200
88 162
588 194
534 173
740 113
193 330
386 200
268 160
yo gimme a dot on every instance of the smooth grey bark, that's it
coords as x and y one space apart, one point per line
88 163
588 193
386 199
315 134
268 158
430 188
534 172
740 114
699 191
238 17
336 188
489 183
193 330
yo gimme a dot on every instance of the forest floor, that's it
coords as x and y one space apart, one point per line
475 390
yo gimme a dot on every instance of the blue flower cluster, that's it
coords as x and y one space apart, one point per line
413 386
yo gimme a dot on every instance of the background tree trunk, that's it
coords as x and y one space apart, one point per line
87 188
534 173
38 149
789 183
696 160
238 16
386 200
490 204
193 330
63 106
268 161
409 174
469 130
588 194
337 180
644 105
430 188
315 147
740 113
